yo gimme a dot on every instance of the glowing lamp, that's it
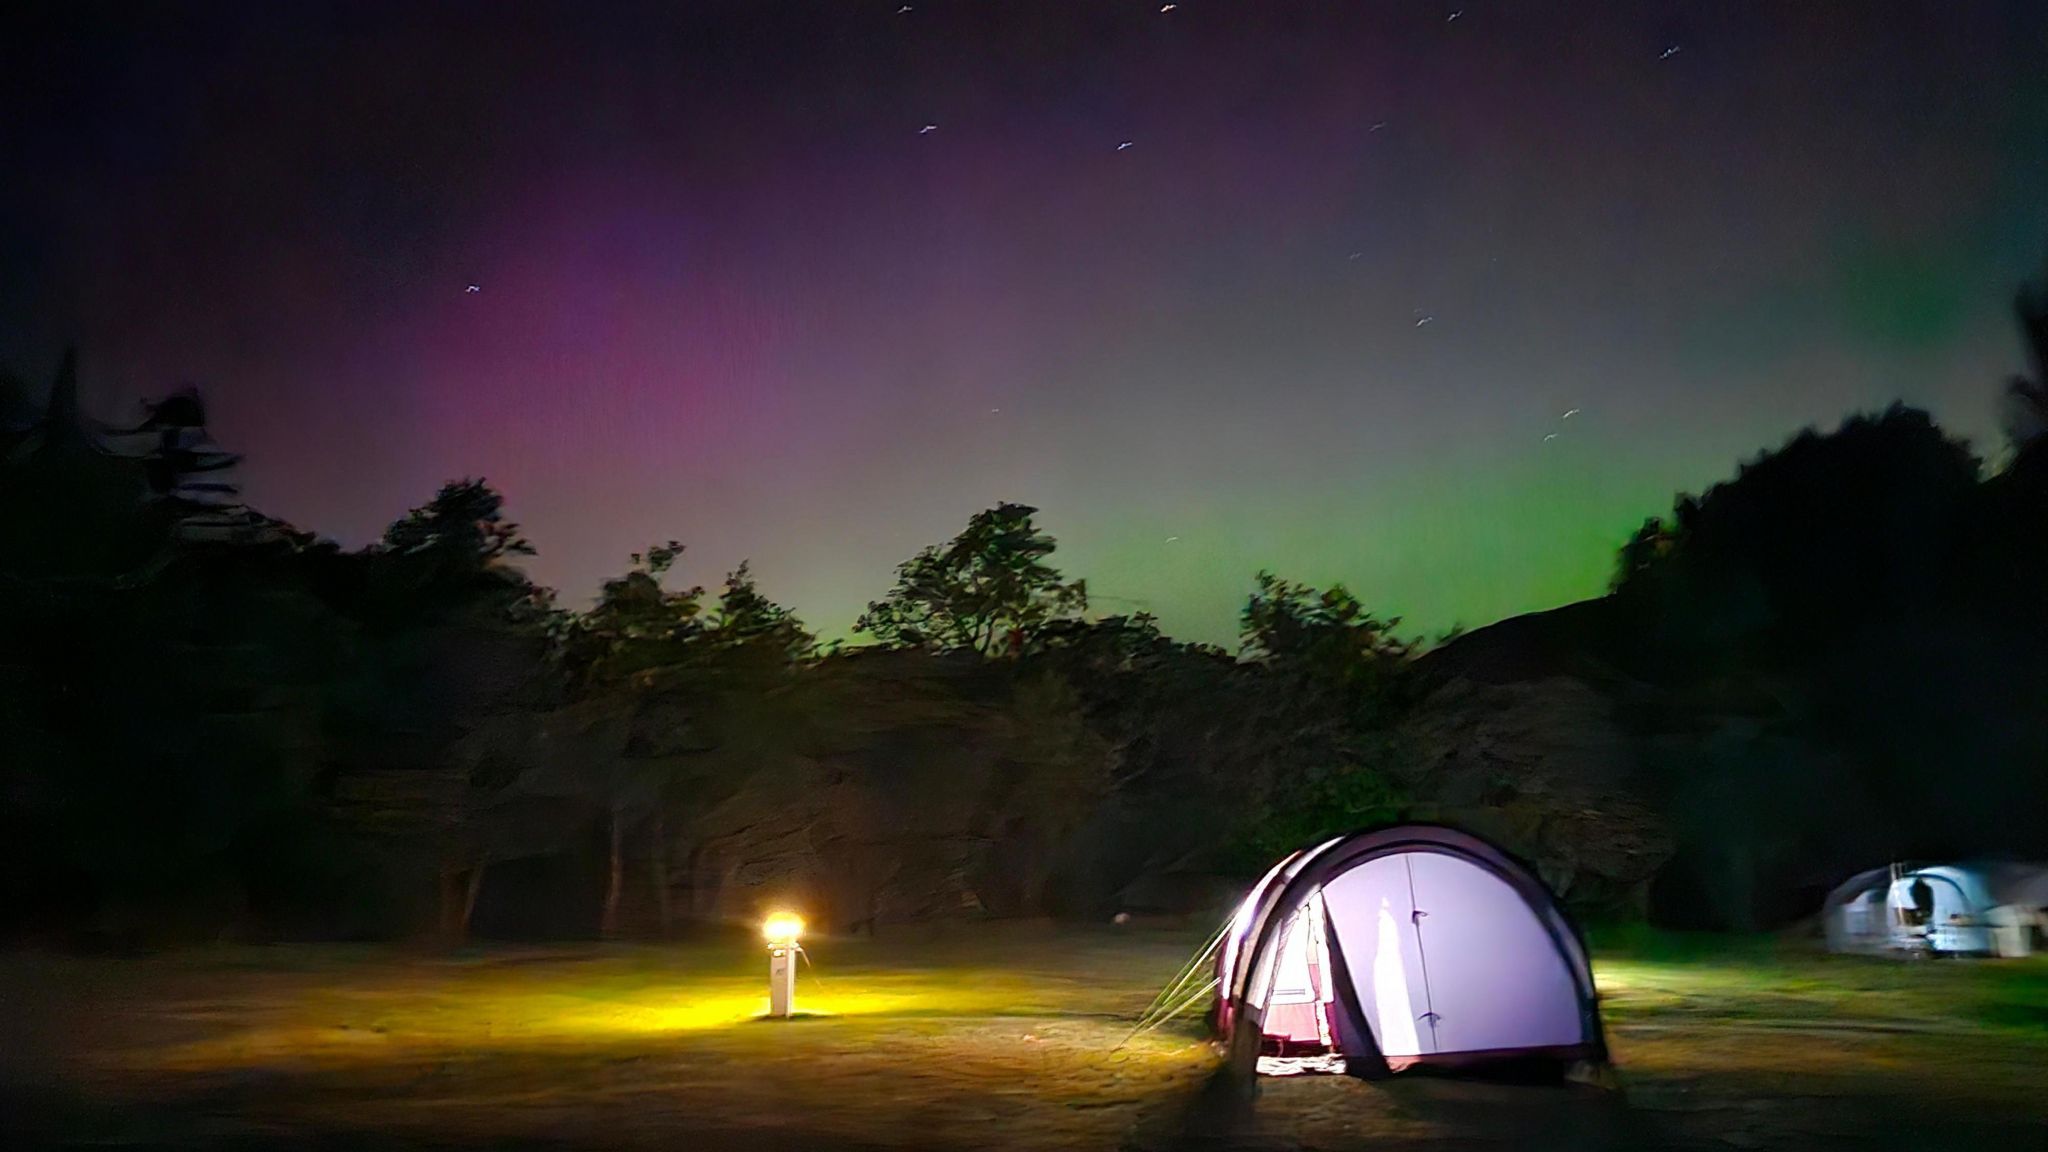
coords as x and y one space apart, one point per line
781 930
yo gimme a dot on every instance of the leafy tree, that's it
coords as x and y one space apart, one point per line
181 461
1328 638
465 523
1090 652
453 557
637 626
79 506
1644 549
989 590
1058 770
1330 804
2026 400
745 619
1828 533
691 688
165 682
639 639
2013 551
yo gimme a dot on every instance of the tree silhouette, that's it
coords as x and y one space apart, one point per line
640 638
2026 400
989 590
166 687
90 504
746 620
182 463
1327 637
637 626
1828 531
1640 555
464 523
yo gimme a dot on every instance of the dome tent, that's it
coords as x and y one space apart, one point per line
1407 946
1964 909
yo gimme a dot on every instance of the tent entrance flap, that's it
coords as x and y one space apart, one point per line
1373 914
1297 1005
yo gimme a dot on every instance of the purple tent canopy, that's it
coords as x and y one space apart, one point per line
1408 946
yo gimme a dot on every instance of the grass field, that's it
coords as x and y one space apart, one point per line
987 1036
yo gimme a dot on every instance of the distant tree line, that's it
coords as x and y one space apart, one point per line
219 722
215 722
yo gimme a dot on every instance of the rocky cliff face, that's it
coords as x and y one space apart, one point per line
1522 738
1543 768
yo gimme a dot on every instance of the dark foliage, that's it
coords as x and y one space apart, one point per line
988 591
215 722
1846 662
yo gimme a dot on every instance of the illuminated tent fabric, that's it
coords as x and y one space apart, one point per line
1408 946
1971 909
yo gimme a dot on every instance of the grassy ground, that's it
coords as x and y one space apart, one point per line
974 1037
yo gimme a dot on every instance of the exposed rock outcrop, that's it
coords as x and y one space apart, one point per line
1543 768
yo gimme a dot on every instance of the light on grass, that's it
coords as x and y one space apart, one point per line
781 930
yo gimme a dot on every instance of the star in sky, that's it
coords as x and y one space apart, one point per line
1050 277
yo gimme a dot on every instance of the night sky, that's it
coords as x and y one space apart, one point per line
1325 313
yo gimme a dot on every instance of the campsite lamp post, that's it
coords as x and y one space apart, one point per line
781 930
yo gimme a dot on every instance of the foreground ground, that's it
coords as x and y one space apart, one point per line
1004 1036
